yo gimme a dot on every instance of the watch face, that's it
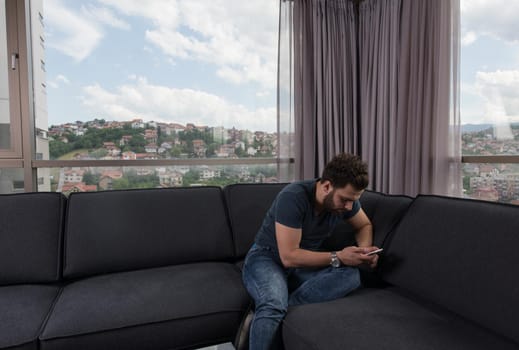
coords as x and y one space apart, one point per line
335 260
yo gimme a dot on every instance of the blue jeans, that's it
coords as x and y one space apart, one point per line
274 288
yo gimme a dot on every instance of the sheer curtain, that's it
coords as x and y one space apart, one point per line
427 153
381 83
379 40
409 95
285 91
325 78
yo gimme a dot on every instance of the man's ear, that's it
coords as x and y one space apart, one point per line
327 186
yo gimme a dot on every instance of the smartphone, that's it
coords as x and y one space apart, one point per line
375 251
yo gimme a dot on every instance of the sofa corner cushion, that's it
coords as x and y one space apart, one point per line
123 300
247 205
30 237
23 310
381 318
135 229
460 254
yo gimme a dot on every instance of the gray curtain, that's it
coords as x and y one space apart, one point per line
382 83
379 29
325 78
408 76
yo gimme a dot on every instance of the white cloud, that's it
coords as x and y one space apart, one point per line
105 16
496 18
78 33
76 36
499 92
161 103
62 78
238 36
468 38
58 81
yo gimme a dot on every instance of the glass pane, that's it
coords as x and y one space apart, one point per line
90 179
114 80
5 133
11 180
492 182
489 68
489 99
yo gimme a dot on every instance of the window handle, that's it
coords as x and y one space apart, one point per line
14 57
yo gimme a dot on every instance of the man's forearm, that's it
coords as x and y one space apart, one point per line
305 258
364 236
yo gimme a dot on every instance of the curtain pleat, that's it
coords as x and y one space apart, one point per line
382 83
325 83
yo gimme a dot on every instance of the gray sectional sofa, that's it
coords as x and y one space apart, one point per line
160 269
448 279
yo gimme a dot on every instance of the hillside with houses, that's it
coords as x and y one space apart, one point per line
136 139
492 182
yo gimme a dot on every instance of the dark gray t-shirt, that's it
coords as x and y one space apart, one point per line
294 207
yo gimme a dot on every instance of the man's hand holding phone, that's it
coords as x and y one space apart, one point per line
372 253
354 256
376 251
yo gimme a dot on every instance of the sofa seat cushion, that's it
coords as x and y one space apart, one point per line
23 310
175 306
383 319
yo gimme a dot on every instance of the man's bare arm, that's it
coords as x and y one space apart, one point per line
292 255
364 235
363 228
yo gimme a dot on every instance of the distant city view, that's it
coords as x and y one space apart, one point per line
137 139
173 91
492 182
119 81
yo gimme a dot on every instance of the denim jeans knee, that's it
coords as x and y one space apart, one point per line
326 284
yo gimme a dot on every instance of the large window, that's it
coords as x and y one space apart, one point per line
10 140
490 99
164 85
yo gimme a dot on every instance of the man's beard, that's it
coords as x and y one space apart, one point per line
328 202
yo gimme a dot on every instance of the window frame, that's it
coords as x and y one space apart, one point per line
14 83
23 134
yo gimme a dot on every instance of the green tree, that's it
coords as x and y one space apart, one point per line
99 153
137 143
58 148
191 177
240 152
121 184
466 184
90 179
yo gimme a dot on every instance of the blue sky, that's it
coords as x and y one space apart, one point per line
213 62
208 62
489 61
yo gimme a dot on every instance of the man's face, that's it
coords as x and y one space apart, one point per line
339 200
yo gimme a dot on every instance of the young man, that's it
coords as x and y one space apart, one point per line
285 266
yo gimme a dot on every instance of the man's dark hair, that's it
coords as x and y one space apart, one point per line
346 169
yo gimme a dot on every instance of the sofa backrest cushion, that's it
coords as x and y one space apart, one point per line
127 230
384 211
31 237
247 205
460 254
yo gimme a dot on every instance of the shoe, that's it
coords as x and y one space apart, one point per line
241 342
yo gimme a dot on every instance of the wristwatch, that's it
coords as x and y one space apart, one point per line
335 262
